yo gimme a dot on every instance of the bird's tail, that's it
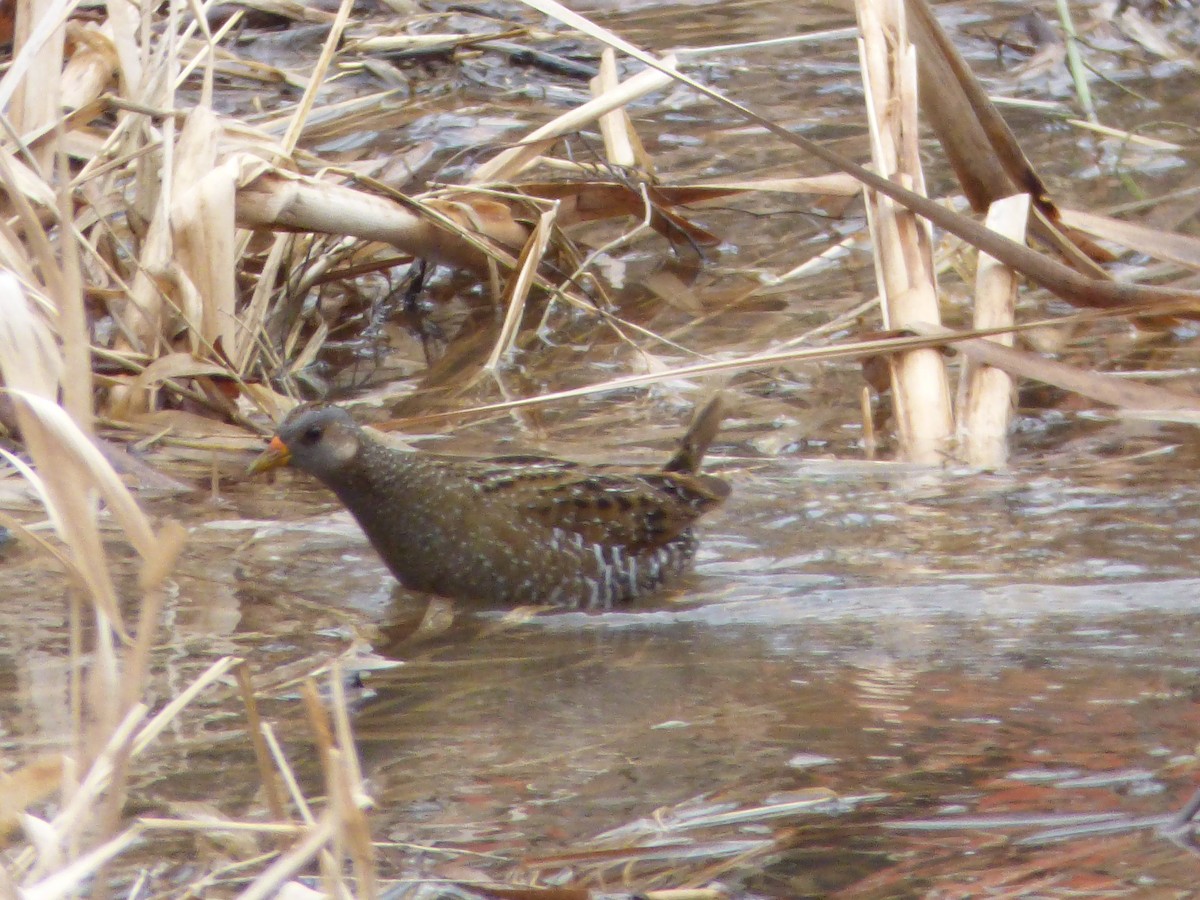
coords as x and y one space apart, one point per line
705 425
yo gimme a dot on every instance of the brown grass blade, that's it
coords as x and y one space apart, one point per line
979 145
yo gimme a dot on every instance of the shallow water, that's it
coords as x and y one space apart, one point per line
880 681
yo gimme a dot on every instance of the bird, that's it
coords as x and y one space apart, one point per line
515 530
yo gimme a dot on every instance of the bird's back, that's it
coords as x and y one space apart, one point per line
528 530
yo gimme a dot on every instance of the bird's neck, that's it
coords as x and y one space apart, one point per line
376 476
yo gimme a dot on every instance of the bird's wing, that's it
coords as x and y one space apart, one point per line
636 511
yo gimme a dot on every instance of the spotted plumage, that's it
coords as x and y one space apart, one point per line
509 530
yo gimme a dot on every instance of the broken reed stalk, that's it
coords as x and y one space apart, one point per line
989 404
901 241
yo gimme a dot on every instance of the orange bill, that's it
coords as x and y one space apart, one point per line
277 454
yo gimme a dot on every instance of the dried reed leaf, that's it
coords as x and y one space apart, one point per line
835 184
13 257
178 423
29 356
254 317
144 313
519 285
312 347
290 9
531 893
173 365
169 544
202 220
37 484
31 372
1154 242
621 143
92 66
595 201
27 785
672 290
123 21
508 164
398 43
91 467
36 241
35 103
24 180
979 145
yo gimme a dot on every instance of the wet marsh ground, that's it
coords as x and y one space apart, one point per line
881 681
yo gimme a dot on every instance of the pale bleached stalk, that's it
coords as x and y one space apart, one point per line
156 824
72 316
289 777
614 125
39 37
167 714
511 162
989 406
304 107
270 881
76 813
901 241
67 881
357 831
519 285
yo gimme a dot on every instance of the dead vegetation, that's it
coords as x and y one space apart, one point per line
173 273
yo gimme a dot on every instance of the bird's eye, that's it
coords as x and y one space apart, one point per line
311 435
